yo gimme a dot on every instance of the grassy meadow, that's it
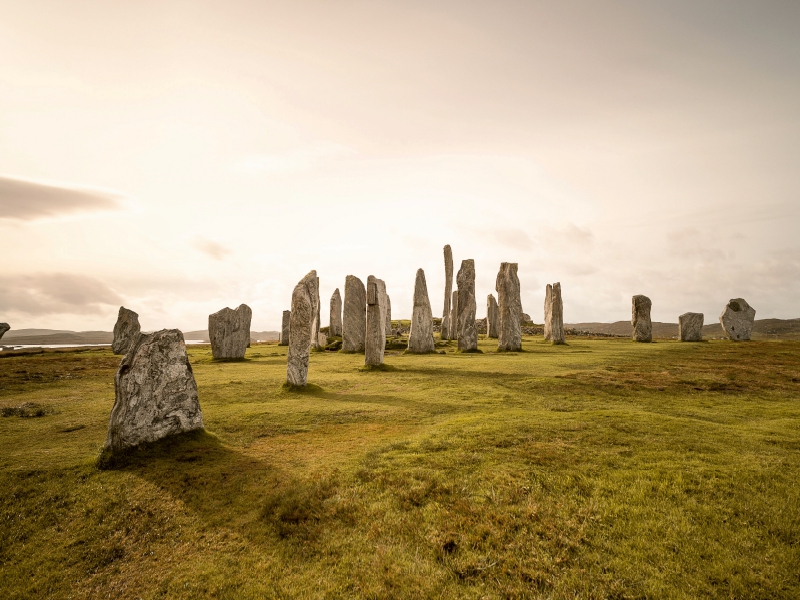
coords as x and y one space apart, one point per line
598 469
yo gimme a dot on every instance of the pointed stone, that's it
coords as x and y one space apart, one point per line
553 314
467 330
690 327
229 332
509 305
375 342
354 320
640 319
448 292
388 331
155 392
6 327
737 319
335 327
420 339
492 317
285 328
126 329
301 326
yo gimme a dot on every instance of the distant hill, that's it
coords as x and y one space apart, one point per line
264 336
779 329
47 337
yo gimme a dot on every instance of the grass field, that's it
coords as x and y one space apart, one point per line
599 469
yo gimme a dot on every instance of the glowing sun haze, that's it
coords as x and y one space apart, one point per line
178 157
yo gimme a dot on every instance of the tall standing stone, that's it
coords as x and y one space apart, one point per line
640 319
467 330
335 327
375 342
285 328
737 319
354 320
126 329
492 317
420 339
447 330
509 304
388 331
316 323
3 328
301 327
452 333
229 332
553 314
690 327
155 392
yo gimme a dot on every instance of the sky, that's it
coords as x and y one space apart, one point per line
178 157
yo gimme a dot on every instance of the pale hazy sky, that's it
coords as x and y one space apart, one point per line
179 157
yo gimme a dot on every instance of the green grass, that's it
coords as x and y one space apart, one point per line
599 469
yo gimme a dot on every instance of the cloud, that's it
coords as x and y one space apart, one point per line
29 200
211 248
55 293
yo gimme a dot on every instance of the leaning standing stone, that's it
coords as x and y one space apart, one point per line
155 392
640 319
229 332
335 328
301 328
125 330
467 331
510 308
448 292
690 327
420 339
553 314
285 328
375 342
737 319
354 321
492 317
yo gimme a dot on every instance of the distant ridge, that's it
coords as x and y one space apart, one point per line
47 337
763 329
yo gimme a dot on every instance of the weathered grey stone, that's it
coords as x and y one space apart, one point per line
354 320
155 392
690 327
452 333
375 342
492 317
509 303
229 332
737 319
446 333
301 328
420 339
467 331
125 330
322 339
316 323
3 328
640 319
335 327
388 316
525 318
285 328
553 314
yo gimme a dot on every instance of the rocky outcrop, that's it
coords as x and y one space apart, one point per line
467 332
737 319
553 314
420 340
388 316
375 341
509 304
640 319
229 332
285 328
492 317
302 328
690 327
448 292
155 392
335 327
126 330
354 320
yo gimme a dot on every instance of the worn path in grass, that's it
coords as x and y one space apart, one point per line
598 469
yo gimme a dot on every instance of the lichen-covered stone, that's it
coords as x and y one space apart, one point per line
467 331
420 339
447 333
453 333
354 320
492 317
229 332
509 304
315 326
285 328
640 319
301 328
375 341
126 330
553 314
335 327
737 319
155 392
690 327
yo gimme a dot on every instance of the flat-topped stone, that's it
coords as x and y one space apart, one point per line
509 304
354 319
640 319
553 314
229 332
285 328
301 329
335 326
420 339
737 319
690 327
375 341
467 331
126 330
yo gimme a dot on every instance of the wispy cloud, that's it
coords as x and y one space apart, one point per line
55 293
211 248
28 200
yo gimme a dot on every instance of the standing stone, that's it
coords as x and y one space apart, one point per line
301 327
388 316
155 392
553 314
737 319
420 339
229 332
447 331
285 328
335 328
125 330
452 333
467 331
509 304
3 328
690 327
640 319
316 324
354 320
375 342
492 317
322 339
